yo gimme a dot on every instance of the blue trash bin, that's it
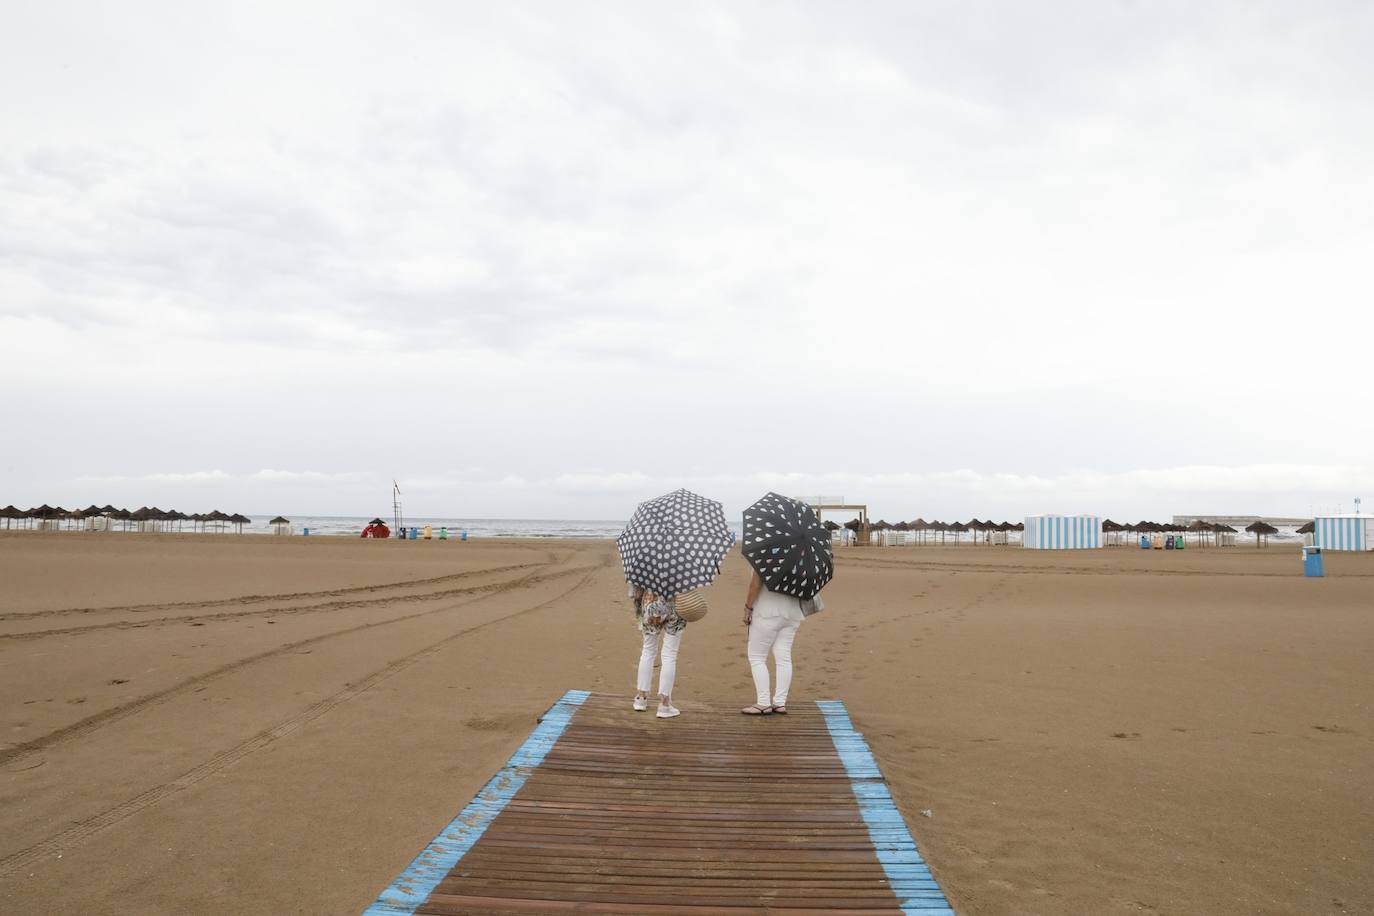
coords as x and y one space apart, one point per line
1312 562
414 533
462 535
1144 542
305 532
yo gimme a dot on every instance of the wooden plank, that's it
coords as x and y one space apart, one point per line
711 814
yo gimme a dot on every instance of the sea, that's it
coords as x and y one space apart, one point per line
353 525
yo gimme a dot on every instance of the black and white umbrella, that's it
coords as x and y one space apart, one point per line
788 546
674 543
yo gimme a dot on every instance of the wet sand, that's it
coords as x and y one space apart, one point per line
241 724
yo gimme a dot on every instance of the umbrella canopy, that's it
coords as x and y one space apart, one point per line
853 524
279 520
11 512
238 518
1200 525
880 525
1261 527
831 526
675 543
1309 528
376 521
92 511
919 525
787 546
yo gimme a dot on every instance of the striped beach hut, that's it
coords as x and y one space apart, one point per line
1062 532
1343 532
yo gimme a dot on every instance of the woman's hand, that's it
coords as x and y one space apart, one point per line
748 615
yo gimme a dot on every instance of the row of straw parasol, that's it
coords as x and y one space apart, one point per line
216 519
1203 530
927 529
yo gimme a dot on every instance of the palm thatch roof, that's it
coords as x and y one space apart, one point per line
1309 528
280 520
1261 527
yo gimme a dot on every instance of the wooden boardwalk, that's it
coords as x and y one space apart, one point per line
605 810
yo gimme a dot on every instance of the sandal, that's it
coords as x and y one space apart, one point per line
757 710
780 710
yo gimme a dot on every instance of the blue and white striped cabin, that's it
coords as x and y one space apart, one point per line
1344 532
1062 532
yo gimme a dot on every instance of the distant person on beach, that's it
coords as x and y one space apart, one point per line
661 628
773 620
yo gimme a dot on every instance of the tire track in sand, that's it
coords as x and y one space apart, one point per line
278 611
262 599
10 755
111 816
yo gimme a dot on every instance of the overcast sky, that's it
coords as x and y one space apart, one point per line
547 260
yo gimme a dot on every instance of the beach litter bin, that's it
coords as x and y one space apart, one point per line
429 533
443 534
462 535
1169 542
1178 542
305 532
414 533
1312 562
1144 542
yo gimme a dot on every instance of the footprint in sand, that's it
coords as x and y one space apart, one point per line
1334 729
1125 734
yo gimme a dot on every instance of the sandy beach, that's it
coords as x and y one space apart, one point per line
247 724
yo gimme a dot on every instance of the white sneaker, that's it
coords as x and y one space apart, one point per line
641 704
667 712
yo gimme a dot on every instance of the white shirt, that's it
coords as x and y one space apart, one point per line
776 604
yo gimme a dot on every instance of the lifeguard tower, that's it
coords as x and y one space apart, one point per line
825 504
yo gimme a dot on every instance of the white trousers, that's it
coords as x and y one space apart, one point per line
775 634
667 671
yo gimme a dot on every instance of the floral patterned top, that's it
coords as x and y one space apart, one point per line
658 616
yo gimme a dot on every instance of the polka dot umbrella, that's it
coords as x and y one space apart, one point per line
788 546
674 543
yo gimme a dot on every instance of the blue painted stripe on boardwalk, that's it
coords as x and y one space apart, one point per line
420 878
907 873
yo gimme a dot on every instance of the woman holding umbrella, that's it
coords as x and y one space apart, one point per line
672 545
789 550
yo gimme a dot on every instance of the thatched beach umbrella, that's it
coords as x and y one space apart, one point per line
10 514
920 526
1202 529
239 519
1261 529
831 526
1309 528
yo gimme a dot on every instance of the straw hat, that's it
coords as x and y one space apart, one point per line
690 606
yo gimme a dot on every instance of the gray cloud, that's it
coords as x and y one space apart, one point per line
904 239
